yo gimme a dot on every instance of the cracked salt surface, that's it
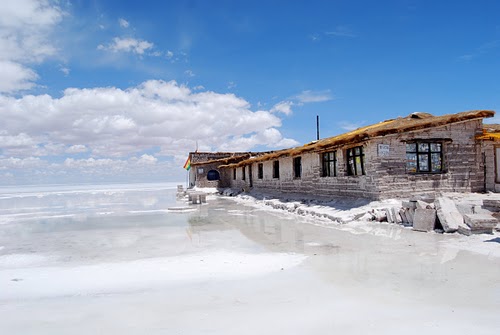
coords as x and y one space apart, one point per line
213 272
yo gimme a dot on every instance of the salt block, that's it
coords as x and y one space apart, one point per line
491 204
424 219
448 214
390 217
395 215
410 204
480 221
464 229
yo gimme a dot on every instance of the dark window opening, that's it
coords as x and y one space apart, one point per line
424 157
234 174
213 175
355 161
297 167
329 163
243 174
276 169
260 171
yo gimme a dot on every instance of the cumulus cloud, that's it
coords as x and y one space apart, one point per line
284 107
108 122
25 39
147 160
16 76
132 45
76 149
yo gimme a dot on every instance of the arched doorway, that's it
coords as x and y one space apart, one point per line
213 175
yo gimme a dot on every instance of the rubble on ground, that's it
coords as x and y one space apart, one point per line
444 213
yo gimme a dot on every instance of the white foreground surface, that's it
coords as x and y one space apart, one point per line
115 261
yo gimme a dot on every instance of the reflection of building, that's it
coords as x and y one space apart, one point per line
420 153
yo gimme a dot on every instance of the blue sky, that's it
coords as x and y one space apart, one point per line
120 91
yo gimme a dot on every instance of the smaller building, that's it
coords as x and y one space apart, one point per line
205 171
420 153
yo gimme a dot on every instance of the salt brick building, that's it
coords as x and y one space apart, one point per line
417 154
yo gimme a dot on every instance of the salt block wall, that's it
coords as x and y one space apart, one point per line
488 149
385 176
201 177
461 155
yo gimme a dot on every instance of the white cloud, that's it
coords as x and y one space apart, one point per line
147 160
16 141
165 117
64 70
16 77
22 163
231 85
76 149
127 45
189 73
269 137
312 96
123 23
284 107
25 39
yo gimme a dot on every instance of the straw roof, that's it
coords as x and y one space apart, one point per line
412 122
226 160
234 158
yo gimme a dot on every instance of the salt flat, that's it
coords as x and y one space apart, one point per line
117 261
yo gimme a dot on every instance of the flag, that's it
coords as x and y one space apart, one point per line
187 165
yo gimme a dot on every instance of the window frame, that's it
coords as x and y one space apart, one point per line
260 171
429 153
351 155
297 167
327 162
276 169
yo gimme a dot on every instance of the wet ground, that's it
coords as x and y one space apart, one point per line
104 261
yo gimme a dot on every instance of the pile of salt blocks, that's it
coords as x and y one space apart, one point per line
426 214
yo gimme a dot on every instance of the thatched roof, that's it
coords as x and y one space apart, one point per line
226 160
412 122
234 158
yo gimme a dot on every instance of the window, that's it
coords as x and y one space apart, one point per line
329 163
234 174
213 175
297 167
260 171
355 161
243 175
276 169
424 157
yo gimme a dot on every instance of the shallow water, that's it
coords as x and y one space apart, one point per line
115 260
